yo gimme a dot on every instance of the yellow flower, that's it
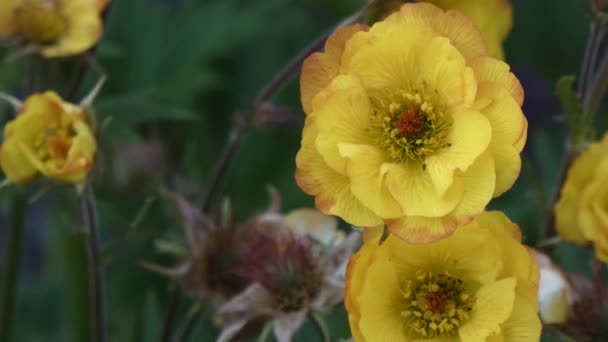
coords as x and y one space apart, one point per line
477 285
47 136
58 28
494 18
409 123
581 214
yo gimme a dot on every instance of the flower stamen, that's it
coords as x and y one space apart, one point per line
436 305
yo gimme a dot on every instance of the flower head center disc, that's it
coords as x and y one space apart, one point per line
40 21
411 122
412 125
436 305
54 142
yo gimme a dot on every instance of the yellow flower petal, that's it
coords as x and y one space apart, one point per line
491 70
470 135
332 190
461 31
343 118
84 28
366 180
493 306
319 69
7 7
523 325
381 310
509 127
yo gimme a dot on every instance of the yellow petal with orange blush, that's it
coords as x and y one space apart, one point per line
332 190
320 68
367 182
493 306
355 280
454 25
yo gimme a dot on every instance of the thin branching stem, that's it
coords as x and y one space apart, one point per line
96 281
13 262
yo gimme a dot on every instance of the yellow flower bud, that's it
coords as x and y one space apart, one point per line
48 136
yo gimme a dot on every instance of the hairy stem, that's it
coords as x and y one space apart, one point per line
96 281
321 327
13 263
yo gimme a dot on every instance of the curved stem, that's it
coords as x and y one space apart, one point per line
96 282
13 263
321 326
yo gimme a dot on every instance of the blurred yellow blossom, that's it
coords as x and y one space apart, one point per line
48 136
409 123
477 285
581 214
494 18
56 28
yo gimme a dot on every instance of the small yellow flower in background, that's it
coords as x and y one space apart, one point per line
494 18
56 28
480 284
409 123
581 214
50 137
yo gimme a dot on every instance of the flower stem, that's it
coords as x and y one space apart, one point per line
241 126
592 87
171 314
96 282
321 326
265 333
13 262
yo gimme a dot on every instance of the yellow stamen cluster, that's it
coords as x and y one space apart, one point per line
40 21
411 124
53 143
437 304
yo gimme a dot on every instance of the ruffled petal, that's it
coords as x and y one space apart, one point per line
491 70
493 306
342 118
382 319
85 27
332 190
320 68
367 182
413 188
469 137
454 25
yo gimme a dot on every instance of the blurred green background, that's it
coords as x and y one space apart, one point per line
177 70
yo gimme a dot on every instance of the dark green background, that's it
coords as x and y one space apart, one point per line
177 71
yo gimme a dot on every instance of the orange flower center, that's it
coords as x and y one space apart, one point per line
411 123
54 143
39 21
